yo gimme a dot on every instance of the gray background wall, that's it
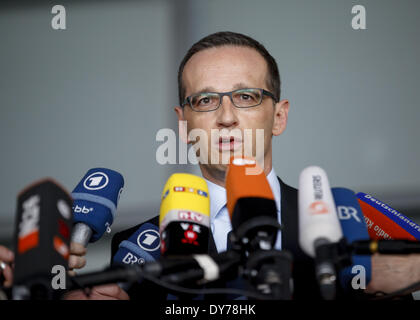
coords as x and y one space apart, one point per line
97 93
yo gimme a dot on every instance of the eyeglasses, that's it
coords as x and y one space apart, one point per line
242 98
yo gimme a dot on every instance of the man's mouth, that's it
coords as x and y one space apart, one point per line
230 143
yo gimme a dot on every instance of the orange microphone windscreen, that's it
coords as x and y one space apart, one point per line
241 184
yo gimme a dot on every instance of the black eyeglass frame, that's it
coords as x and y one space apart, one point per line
229 93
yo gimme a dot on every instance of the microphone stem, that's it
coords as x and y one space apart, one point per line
81 234
325 268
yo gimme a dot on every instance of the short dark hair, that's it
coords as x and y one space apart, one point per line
226 38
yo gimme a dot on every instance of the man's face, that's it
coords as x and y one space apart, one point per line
225 69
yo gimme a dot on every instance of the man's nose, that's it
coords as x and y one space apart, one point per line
227 113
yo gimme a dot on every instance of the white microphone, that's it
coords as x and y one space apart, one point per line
318 225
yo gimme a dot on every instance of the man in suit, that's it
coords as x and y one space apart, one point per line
229 81
225 62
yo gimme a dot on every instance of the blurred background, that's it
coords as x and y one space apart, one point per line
96 94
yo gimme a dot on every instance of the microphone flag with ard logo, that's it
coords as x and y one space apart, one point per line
96 198
142 246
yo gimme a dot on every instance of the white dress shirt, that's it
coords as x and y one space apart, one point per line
219 217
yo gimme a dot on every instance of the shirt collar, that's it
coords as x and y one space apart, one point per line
217 198
275 187
218 194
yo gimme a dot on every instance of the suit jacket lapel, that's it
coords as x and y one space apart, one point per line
212 245
289 219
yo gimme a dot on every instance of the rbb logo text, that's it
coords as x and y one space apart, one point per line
83 209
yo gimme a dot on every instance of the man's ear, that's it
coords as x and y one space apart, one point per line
182 124
281 111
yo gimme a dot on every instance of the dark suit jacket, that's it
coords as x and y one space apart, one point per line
305 285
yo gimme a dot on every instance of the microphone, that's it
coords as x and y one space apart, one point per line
253 213
42 238
184 217
384 222
95 204
318 226
354 229
251 206
142 246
